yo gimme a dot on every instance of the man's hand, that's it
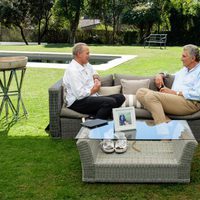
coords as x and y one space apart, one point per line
159 81
96 87
97 83
167 90
96 76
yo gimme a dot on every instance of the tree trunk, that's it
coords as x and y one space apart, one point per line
39 26
22 34
141 33
72 36
45 27
114 30
114 22
74 25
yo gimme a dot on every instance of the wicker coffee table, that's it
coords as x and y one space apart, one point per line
155 154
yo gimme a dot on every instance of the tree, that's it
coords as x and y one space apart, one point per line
110 13
117 9
143 16
71 11
100 9
180 15
40 12
181 19
16 13
163 20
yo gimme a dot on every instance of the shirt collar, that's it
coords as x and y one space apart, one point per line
79 66
194 68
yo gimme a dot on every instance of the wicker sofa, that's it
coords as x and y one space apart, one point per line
65 123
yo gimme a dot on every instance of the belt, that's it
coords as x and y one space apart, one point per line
194 101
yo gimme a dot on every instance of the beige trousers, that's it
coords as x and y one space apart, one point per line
160 103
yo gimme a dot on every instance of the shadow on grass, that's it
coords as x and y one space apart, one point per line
6 124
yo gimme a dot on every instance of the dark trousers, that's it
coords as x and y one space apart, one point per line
98 106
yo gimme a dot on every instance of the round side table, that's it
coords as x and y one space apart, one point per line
9 67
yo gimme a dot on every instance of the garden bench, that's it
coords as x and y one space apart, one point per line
160 39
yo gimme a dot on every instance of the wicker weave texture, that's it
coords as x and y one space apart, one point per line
55 104
70 127
155 161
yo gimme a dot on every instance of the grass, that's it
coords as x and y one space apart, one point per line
35 166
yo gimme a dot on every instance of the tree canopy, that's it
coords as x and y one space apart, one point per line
144 16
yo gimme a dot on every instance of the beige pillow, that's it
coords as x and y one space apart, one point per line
105 91
117 79
129 89
131 86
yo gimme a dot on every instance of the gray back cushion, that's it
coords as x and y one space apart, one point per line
107 80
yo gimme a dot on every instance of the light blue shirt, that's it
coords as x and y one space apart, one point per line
188 82
78 81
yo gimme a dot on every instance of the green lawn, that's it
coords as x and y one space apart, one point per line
35 166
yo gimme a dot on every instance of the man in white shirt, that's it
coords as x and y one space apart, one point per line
184 96
82 84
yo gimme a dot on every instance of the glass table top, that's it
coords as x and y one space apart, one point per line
145 130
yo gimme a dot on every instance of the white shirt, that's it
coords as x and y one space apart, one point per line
78 80
188 82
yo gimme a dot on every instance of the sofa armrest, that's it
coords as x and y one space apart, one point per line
55 105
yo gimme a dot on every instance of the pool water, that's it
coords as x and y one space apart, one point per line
67 60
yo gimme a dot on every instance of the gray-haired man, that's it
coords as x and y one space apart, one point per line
82 84
184 96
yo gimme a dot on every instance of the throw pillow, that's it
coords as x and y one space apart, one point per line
129 89
118 77
131 86
105 91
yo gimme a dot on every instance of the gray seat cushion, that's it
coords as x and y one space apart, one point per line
69 113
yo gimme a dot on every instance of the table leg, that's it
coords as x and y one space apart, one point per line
6 93
19 86
6 99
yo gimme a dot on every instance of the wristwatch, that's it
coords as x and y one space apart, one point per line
164 75
178 93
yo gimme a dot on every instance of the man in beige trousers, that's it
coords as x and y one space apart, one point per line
184 96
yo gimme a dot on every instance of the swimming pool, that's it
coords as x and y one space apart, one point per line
61 60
